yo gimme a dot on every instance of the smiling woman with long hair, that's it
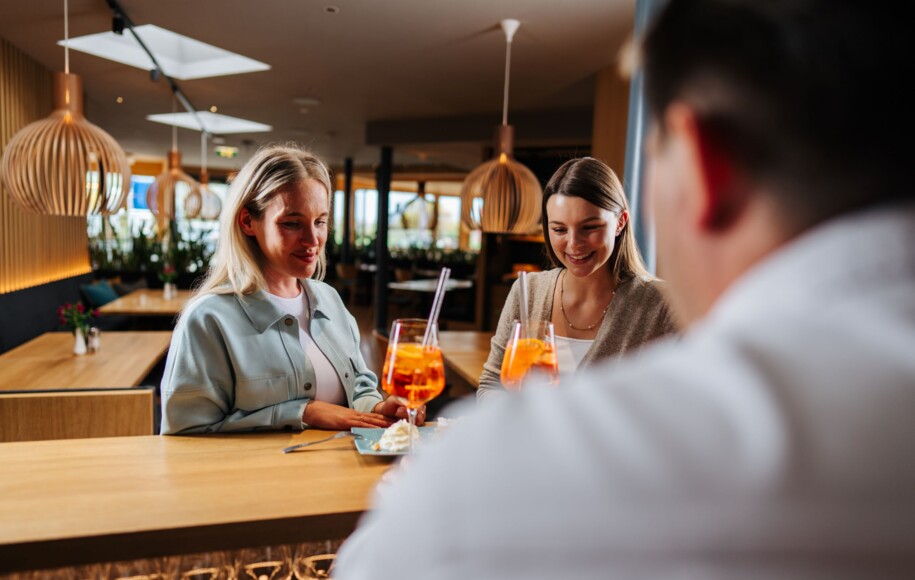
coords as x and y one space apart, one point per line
600 297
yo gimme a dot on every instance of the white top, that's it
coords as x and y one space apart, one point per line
569 352
776 439
327 382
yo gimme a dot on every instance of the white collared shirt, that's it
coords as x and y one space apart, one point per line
776 439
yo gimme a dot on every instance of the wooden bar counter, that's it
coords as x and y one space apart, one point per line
81 501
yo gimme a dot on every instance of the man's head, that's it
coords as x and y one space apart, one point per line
769 117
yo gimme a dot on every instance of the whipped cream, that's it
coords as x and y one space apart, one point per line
396 438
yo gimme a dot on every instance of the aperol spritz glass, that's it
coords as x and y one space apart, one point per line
531 350
413 373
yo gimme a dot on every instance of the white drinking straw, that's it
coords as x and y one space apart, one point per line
525 315
436 304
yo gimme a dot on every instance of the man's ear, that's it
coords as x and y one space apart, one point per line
246 222
722 195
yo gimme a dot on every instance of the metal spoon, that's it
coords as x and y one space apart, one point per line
339 435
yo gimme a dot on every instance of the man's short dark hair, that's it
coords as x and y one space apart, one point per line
803 95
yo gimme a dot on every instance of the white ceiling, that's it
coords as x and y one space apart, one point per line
373 60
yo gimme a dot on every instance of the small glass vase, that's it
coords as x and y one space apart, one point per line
79 343
169 291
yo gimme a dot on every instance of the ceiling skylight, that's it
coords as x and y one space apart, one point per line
214 122
180 57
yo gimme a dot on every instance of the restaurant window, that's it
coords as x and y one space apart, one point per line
445 236
116 235
449 222
475 237
139 184
410 220
338 216
365 216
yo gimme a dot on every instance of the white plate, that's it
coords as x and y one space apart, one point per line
371 436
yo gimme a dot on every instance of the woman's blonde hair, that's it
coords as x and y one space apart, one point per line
236 265
594 181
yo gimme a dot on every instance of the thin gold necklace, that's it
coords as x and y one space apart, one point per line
562 287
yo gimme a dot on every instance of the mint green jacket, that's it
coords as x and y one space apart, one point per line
236 363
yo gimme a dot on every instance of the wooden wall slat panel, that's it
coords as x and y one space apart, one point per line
34 249
611 113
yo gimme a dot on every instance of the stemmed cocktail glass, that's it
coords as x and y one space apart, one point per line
531 350
413 371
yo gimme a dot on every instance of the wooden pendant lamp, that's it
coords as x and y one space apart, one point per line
63 164
510 193
420 213
206 205
211 205
161 195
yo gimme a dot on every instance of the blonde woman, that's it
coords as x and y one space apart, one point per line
265 344
600 298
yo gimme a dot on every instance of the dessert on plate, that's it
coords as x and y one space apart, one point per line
396 438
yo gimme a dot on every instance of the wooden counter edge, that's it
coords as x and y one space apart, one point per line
41 555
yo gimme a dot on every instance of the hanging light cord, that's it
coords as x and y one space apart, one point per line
174 129
508 67
203 153
66 40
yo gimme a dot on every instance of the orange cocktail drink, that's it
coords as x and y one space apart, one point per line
413 373
529 351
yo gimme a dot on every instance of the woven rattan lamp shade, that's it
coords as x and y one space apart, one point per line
212 205
161 195
193 201
509 191
63 164
206 205
419 213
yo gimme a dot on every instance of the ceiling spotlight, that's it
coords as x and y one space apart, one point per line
213 109
119 100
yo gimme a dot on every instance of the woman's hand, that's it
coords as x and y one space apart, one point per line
394 410
321 415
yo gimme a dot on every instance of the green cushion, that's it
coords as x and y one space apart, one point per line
98 294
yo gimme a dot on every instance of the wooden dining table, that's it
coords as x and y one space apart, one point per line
82 501
464 353
47 362
147 302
